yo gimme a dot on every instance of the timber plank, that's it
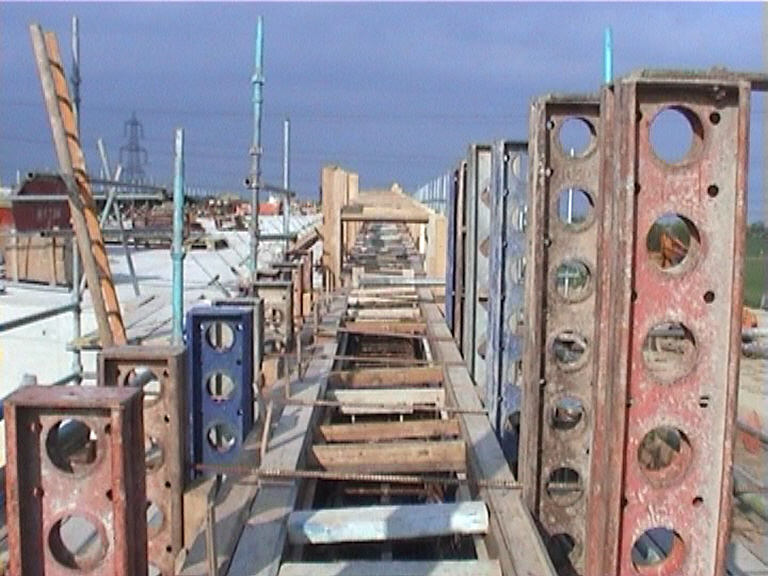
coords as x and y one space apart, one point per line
364 327
383 377
387 400
519 545
382 431
264 535
400 457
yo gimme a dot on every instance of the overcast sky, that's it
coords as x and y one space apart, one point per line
393 91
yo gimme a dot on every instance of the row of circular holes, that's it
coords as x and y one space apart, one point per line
673 448
61 539
220 386
581 271
574 210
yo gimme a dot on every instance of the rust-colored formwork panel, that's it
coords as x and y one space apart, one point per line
75 481
160 371
564 270
671 374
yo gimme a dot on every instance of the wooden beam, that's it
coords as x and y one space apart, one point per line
439 331
383 291
385 523
446 352
384 314
355 213
263 537
382 431
396 568
383 377
518 544
387 400
401 457
365 327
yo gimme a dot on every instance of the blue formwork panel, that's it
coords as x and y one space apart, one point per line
220 386
450 253
509 205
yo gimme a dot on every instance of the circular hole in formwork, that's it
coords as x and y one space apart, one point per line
519 167
575 207
577 136
153 453
220 336
221 438
72 446
570 349
659 551
155 519
78 541
672 241
567 413
669 351
676 135
143 377
564 486
664 454
572 280
220 387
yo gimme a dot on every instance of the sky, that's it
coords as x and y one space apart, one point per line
394 91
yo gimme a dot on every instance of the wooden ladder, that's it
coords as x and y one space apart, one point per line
85 219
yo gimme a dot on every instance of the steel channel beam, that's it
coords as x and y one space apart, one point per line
559 364
220 398
509 195
76 507
161 372
683 500
476 250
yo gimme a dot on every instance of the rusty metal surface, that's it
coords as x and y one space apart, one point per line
160 371
55 491
278 313
668 496
559 361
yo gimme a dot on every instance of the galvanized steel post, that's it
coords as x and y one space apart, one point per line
608 56
257 81
287 181
177 251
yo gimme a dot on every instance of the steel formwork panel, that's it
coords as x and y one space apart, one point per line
256 304
477 218
161 372
509 205
678 507
76 502
278 301
220 400
560 362
456 260
450 251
